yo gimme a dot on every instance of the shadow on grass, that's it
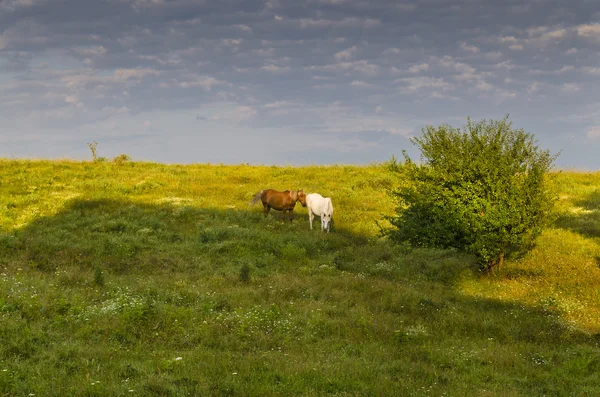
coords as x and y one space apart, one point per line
586 220
126 236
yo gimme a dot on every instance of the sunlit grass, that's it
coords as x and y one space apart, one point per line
562 273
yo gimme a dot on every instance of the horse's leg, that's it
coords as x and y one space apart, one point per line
267 208
291 213
310 217
283 215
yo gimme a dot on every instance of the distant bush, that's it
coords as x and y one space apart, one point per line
121 159
480 190
393 165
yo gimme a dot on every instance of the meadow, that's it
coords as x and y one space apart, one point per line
131 278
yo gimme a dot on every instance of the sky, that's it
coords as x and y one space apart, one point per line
292 82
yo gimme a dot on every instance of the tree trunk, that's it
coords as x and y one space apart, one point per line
498 262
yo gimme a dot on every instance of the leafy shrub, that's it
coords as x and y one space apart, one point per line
393 165
481 190
121 159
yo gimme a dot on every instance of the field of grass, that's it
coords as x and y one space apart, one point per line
153 279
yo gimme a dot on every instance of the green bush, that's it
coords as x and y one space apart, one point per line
121 159
482 190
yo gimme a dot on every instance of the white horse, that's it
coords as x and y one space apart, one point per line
319 206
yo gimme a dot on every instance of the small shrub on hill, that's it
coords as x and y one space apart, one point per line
121 159
480 190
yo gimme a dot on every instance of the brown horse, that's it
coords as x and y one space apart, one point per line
280 201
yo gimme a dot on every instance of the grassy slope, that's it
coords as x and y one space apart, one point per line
110 273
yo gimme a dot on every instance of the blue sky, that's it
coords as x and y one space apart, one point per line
292 82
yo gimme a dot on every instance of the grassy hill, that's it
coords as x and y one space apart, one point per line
152 279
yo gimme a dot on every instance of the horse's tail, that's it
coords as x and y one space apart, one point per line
256 197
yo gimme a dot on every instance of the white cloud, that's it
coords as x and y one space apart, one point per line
23 32
231 42
589 31
469 48
346 54
204 82
81 79
570 87
553 72
593 71
463 68
349 22
360 84
134 74
423 67
508 40
113 110
243 113
277 105
399 131
332 2
362 66
392 50
493 55
95 51
145 3
422 82
14 4
271 4
507 65
243 28
533 87
483 86
236 115
73 100
264 52
540 36
545 34
542 89
276 69
327 86
571 51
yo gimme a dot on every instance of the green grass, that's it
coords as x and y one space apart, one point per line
150 279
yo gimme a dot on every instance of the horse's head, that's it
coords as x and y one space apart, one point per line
326 215
301 196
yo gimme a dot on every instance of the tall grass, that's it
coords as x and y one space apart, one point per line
124 278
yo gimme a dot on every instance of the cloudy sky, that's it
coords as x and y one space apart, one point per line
292 81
